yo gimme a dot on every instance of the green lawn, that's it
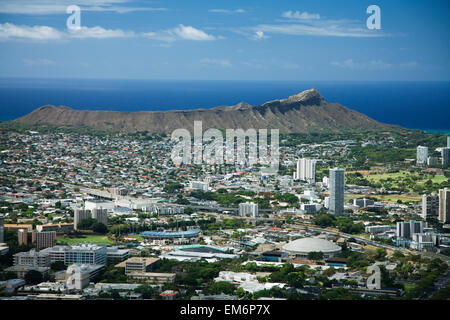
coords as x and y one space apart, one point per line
403 174
99 239
137 237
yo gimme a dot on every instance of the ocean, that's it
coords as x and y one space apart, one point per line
415 105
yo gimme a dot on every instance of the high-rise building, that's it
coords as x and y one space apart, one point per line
336 188
444 205
422 155
448 141
80 215
101 215
22 236
44 239
306 170
406 230
430 206
445 155
248 208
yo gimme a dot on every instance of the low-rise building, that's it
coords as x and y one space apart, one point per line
152 277
138 264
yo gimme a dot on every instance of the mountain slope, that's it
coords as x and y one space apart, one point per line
305 112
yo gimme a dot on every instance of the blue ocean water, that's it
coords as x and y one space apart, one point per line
416 105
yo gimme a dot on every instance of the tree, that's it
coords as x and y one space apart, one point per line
221 287
58 266
147 291
324 220
86 224
33 277
315 255
99 228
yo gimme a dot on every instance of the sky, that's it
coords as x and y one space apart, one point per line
226 40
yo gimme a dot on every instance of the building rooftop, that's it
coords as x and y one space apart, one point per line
306 245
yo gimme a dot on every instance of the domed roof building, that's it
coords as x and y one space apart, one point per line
302 247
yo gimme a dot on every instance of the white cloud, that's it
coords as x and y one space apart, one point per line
9 31
260 35
227 11
330 28
300 16
217 62
99 33
181 32
40 7
370 65
121 9
12 31
191 33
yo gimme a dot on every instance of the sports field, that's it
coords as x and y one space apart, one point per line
99 239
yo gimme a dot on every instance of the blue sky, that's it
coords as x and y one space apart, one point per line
226 40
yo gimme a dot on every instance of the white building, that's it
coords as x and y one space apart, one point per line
248 208
79 275
306 170
85 253
99 204
32 258
246 281
422 155
198 185
422 242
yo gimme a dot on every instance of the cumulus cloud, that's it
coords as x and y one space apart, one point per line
260 35
191 33
181 32
9 31
300 15
99 33
12 31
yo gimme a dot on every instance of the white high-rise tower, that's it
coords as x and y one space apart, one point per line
306 170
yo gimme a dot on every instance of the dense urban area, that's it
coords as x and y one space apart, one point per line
97 215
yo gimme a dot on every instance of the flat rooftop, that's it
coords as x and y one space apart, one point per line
147 261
